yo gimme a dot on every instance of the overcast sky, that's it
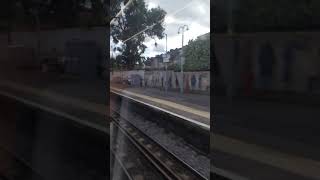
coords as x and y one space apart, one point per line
194 13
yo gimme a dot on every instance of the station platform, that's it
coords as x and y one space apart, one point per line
194 106
244 133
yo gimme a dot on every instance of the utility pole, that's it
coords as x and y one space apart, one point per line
181 30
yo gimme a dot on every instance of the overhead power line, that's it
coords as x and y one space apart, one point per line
149 27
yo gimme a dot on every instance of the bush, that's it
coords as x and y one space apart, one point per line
197 55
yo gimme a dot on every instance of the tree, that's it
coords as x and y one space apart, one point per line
197 54
135 19
115 7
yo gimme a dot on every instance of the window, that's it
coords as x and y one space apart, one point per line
160 89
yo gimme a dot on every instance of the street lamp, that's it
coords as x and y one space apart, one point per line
181 30
166 41
165 77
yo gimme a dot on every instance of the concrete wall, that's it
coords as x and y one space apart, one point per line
193 81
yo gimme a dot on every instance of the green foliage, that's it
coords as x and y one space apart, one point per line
197 55
137 18
175 67
113 64
114 8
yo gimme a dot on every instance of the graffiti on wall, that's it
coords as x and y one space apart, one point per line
192 81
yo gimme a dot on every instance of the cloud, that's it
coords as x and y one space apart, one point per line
196 16
153 50
151 5
199 10
169 19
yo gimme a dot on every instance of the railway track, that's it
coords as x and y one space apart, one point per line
128 162
194 134
163 161
191 133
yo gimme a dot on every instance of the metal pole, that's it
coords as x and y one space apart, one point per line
181 65
166 43
166 82
182 28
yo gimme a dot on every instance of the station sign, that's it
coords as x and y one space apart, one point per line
166 58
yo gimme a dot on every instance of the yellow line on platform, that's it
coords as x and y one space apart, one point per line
291 163
170 104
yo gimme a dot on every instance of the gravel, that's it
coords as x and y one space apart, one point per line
170 141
